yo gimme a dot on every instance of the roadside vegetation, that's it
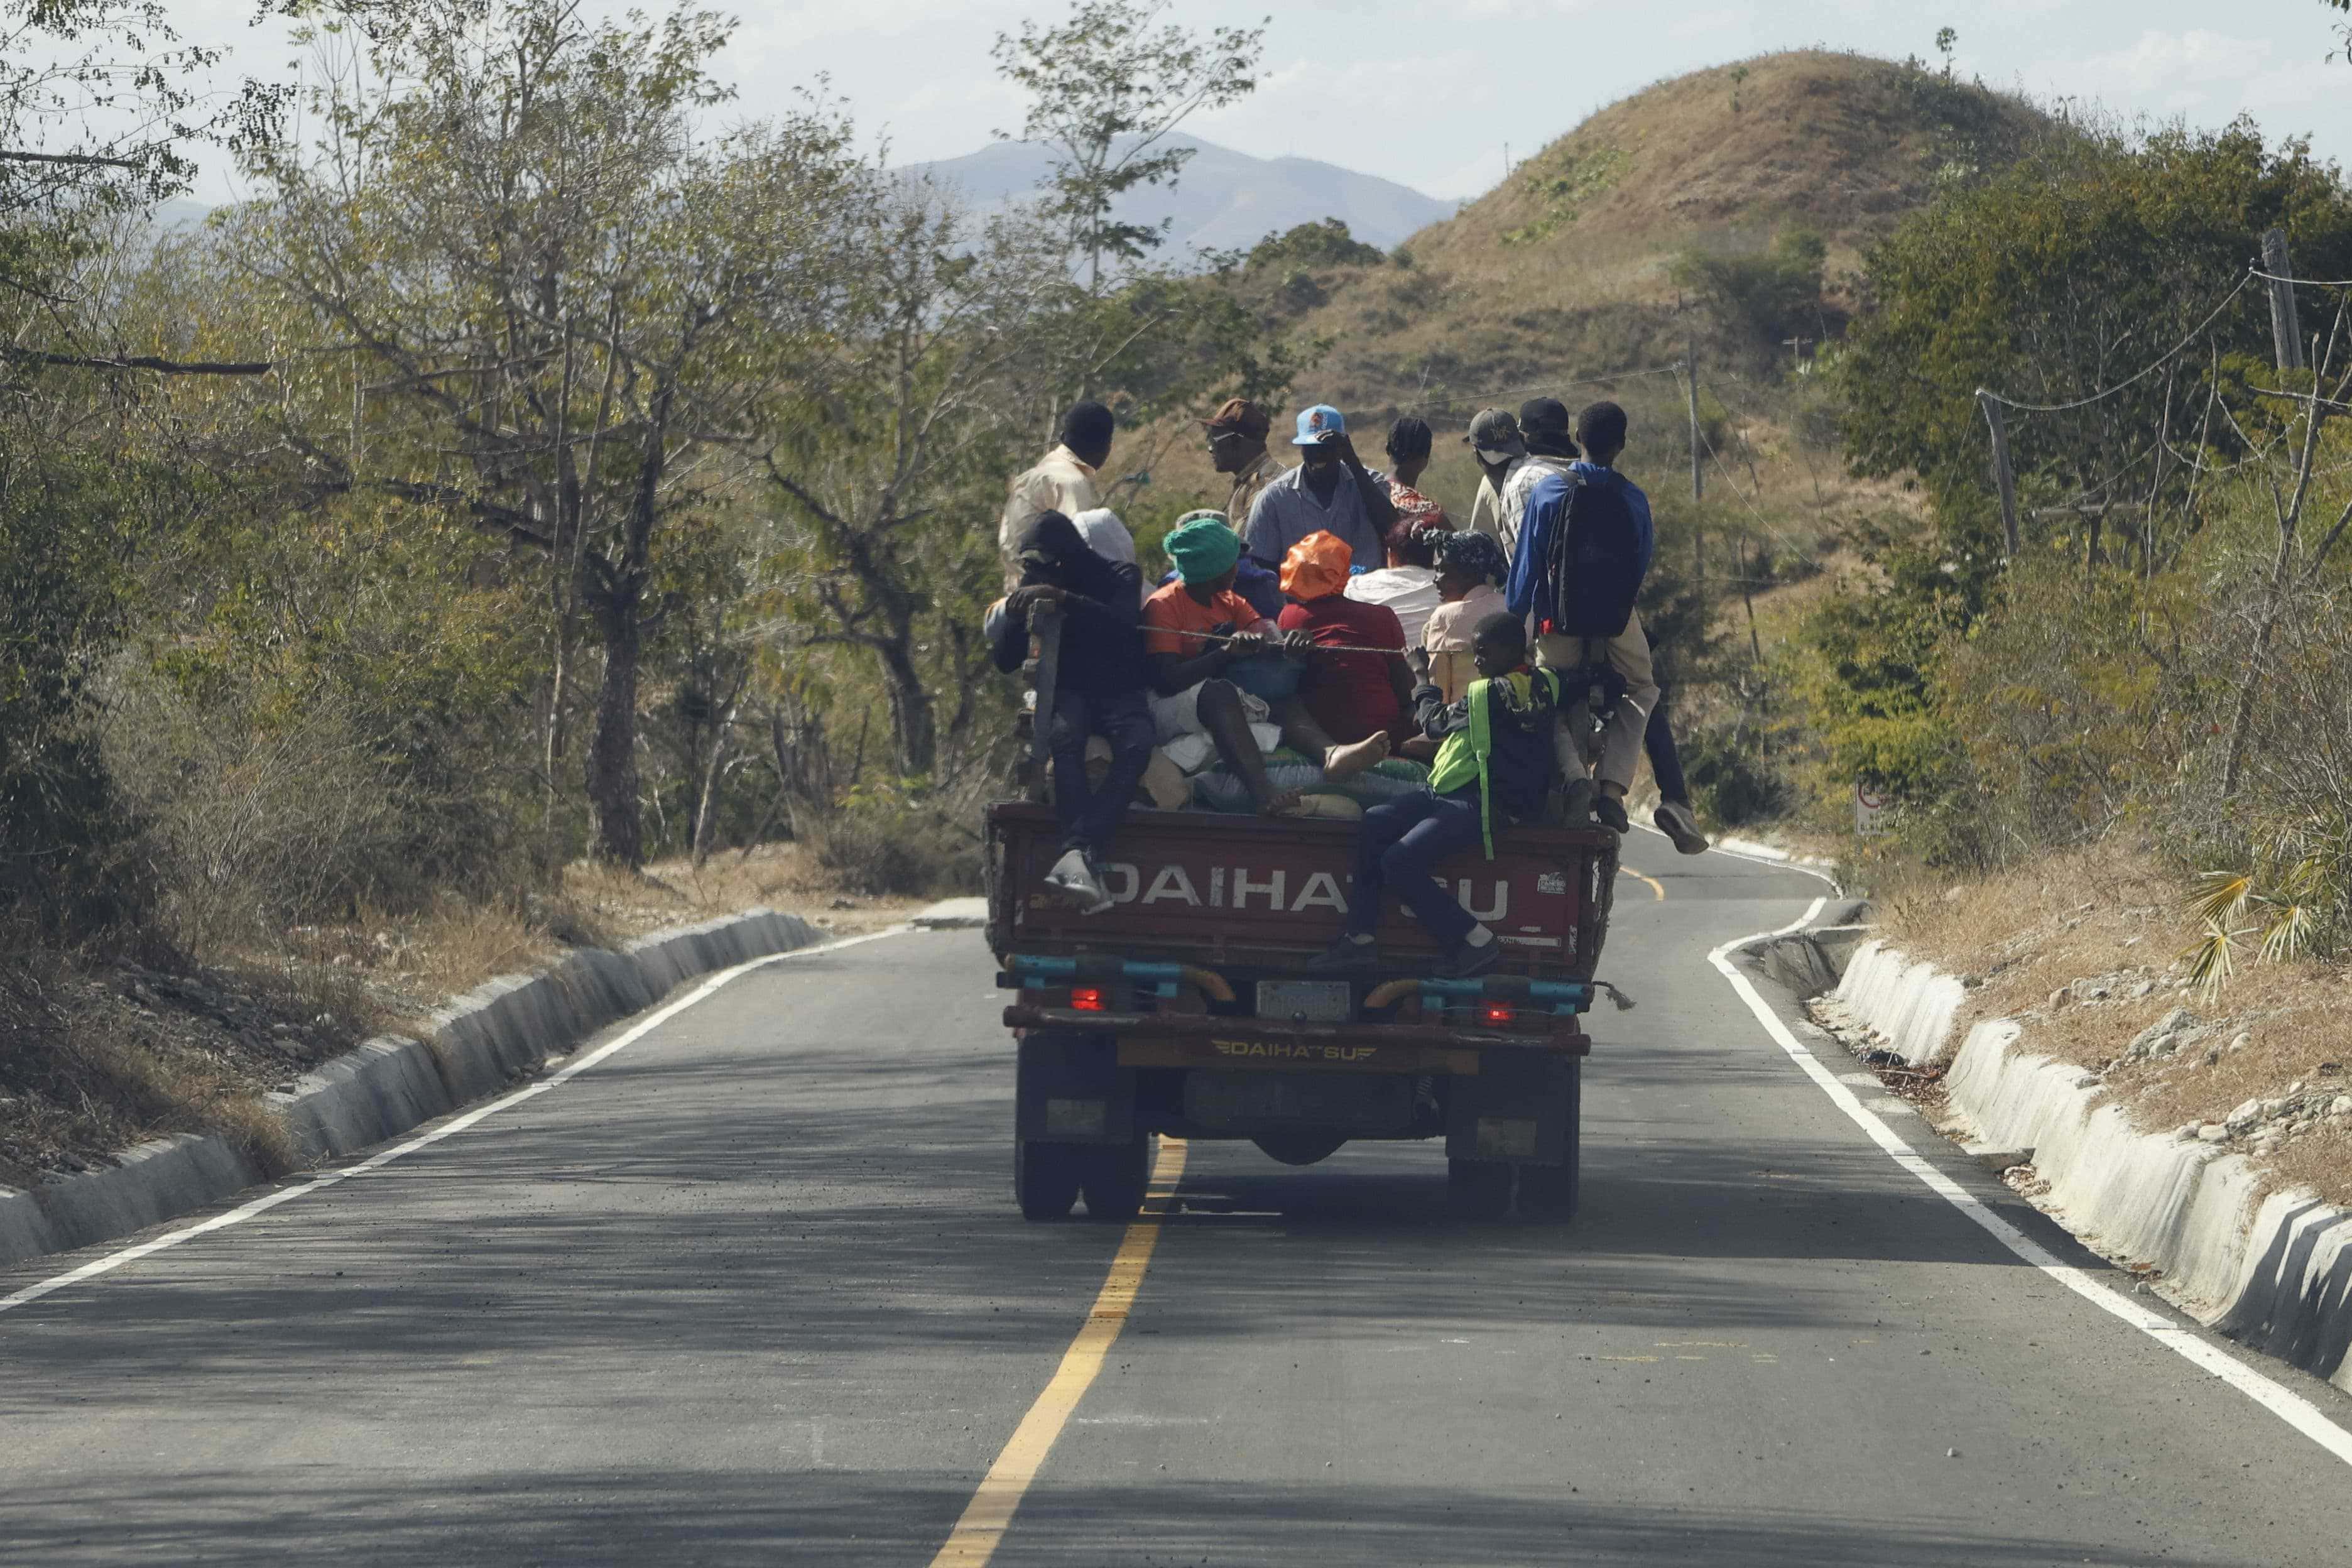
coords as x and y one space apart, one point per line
538 497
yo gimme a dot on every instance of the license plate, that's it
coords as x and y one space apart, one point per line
1306 1000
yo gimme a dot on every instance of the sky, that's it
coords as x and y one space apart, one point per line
1433 94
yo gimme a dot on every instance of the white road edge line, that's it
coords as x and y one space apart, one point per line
268 1201
2279 1400
1817 875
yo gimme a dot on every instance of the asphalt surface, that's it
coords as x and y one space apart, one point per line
753 1290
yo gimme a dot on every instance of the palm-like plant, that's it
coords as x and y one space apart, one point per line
2293 899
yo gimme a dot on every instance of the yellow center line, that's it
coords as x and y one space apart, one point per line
990 1513
1656 887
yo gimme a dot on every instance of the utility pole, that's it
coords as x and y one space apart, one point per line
2286 341
1690 385
2001 473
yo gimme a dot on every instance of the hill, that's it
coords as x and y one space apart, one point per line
1566 268
1226 200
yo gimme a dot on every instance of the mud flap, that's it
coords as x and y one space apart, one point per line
1522 1108
1070 1088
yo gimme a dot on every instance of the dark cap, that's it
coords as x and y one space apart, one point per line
1240 417
1494 430
1543 417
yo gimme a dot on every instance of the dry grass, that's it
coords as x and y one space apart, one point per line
97 1055
2040 944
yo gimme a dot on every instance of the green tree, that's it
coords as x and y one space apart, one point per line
573 312
1107 88
2062 281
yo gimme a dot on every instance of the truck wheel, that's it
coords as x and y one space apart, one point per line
1114 1179
1045 1178
1478 1189
1548 1192
1298 1148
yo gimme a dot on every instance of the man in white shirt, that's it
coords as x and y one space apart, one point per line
1551 449
1063 482
1494 440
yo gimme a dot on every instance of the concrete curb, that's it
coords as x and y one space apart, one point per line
1907 1007
480 1042
2276 1278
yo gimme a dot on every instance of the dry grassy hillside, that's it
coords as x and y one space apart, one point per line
1563 269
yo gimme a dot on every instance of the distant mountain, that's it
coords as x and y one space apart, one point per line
1224 201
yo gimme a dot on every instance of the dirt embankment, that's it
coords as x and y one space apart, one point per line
100 1052
2087 949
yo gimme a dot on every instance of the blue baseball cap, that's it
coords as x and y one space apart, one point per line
1318 422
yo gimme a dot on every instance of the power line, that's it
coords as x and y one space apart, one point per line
2167 358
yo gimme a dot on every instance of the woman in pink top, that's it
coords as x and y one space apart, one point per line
1468 567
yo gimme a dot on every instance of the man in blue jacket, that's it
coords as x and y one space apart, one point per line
1584 548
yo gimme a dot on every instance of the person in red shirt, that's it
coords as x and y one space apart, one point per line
1353 695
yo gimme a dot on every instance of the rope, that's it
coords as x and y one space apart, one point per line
2306 282
1310 647
2170 355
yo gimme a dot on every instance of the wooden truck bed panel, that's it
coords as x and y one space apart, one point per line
1213 889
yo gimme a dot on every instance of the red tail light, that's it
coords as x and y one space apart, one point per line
1086 999
1495 1012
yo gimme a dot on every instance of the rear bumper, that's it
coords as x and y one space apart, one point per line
1199 1039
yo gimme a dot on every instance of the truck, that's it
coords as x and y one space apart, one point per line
1186 1009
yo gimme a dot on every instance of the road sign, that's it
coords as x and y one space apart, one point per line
1869 811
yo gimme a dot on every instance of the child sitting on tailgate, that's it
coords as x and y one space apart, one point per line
1494 767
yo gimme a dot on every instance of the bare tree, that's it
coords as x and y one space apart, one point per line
892 484
1108 86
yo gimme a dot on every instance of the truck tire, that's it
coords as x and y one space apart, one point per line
1114 1178
1548 1192
1045 1178
1478 1189
1298 1148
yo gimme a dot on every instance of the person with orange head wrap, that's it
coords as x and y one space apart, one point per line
1360 694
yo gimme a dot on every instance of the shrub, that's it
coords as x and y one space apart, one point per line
1730 783
896 841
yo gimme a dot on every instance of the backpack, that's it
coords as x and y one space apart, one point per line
1594 568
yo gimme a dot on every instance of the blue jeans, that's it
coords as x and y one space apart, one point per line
1400 842
1089 817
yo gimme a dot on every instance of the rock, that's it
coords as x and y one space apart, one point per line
2144 988
2340 1106
2060 998
2186 1130
2089 1080
2247 1113
2213 1132
2295 1087
2000 1160
2264 1148
2241 1040
2273 1109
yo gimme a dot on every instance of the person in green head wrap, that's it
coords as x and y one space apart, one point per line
1195 629
1252 582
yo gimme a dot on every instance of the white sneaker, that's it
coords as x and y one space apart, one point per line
1676 821
1076 880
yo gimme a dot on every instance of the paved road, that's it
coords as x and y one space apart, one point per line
752 1291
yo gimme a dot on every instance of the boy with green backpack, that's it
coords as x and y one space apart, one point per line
1494 765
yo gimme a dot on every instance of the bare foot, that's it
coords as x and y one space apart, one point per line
1343 762
1282 805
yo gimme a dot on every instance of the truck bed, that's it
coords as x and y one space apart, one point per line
1261 893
